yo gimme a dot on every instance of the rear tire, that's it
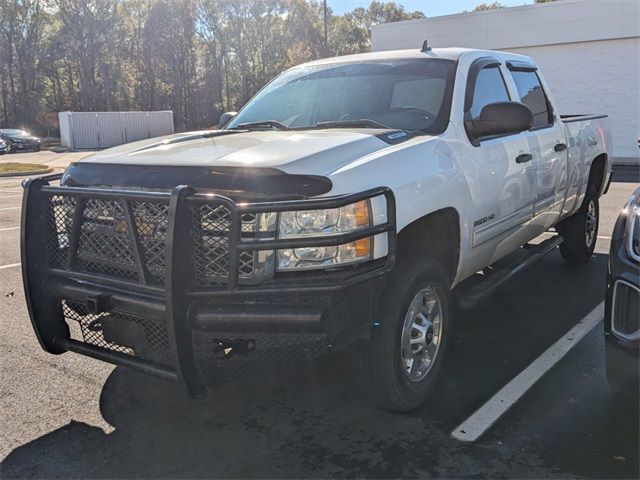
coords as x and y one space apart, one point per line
398 367
580 231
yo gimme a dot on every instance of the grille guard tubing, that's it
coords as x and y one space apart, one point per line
44 309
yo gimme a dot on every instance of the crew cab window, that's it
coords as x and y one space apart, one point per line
489 88
533 96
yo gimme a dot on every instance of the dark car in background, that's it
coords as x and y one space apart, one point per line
622 301
19 140
4 148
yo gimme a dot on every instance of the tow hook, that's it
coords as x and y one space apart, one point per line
98 304
225 348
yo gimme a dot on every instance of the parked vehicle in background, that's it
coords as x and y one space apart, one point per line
622 301
3 147
338 208
19 140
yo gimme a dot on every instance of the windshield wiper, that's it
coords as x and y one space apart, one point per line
263 124
363 122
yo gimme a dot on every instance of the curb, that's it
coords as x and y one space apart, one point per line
26 173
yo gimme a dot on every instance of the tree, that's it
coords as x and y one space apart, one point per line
195 57
488 6
351 33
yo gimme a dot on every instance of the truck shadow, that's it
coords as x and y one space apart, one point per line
306 420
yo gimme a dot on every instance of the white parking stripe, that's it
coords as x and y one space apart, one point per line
11 265
8 229
478 423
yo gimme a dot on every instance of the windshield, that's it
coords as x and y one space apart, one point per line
399 94
13 132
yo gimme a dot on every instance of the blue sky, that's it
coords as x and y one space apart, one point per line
431 8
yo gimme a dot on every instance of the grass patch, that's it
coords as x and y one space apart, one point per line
15 167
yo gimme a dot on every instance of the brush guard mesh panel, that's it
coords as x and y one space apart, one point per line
104 245
154 345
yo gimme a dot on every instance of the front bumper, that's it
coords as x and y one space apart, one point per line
622 341
161 319
24 146
623 366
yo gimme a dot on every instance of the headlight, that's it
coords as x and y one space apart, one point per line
314 223
632 231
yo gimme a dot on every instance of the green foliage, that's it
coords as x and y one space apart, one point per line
198 58
488 6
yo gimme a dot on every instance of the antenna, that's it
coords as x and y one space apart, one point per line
425 46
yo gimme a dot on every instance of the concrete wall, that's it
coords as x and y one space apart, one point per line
589 51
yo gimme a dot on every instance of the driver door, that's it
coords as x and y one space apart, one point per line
500 173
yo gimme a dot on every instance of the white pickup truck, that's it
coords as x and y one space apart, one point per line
339 207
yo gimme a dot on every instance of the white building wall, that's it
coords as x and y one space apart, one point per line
600 77
588 50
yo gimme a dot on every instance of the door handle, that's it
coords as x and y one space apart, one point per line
524 158
560 147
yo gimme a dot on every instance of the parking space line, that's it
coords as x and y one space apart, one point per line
8 229
483 418
11 265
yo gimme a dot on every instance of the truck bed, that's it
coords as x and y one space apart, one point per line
580 117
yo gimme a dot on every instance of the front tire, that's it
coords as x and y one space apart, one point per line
580 231
398 367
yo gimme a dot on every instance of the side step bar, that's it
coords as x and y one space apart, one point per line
495 280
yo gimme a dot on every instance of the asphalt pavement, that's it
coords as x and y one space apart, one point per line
74 417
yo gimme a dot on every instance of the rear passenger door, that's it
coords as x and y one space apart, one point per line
503 187
545 143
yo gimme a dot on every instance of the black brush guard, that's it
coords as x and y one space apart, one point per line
170 297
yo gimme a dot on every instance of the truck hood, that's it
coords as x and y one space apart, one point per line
308 152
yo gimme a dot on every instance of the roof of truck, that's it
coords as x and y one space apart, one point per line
445 53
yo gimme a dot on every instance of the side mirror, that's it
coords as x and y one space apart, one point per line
226 118
501 118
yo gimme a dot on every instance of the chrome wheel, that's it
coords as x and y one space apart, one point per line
591 224
421 334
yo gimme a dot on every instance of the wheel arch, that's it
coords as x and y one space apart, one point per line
597 173
436 235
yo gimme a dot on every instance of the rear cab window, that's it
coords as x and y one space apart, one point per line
533 96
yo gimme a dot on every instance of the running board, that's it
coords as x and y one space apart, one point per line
492 282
